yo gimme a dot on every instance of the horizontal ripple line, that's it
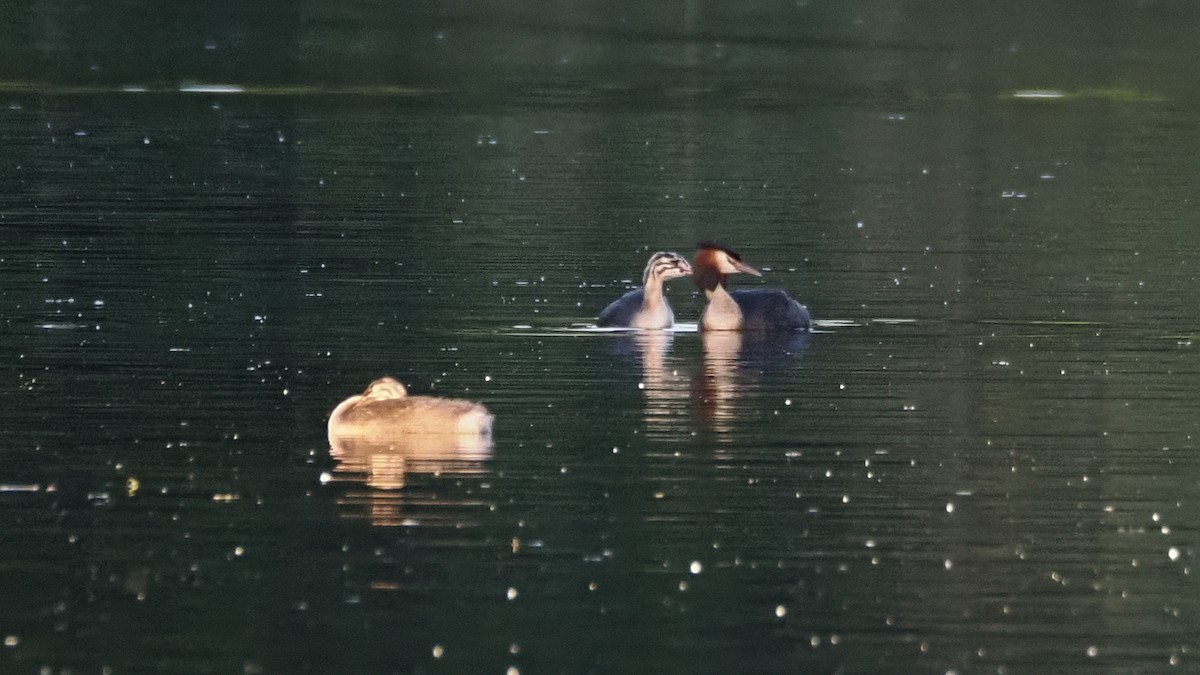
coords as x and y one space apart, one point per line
214 88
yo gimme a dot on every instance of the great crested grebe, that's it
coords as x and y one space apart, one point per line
386 410
759 309
647 307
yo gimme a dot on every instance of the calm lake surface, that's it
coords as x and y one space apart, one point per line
214 226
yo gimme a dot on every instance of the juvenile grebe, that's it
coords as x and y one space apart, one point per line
386 410
759 309
647 307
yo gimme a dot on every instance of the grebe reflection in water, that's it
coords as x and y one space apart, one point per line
736 362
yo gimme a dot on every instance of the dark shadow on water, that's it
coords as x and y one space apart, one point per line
767 351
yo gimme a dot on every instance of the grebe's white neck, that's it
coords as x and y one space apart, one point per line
721 312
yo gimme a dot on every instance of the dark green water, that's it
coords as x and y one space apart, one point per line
985 460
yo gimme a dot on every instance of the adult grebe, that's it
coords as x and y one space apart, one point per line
759 309
647 307
386 410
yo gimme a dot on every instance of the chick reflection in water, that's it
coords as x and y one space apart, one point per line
664 387
384 433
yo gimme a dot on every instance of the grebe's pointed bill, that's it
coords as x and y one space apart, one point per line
743 267
722 256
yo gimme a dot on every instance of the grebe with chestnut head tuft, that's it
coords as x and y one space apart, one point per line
759 309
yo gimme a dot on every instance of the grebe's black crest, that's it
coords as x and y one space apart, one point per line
719 246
